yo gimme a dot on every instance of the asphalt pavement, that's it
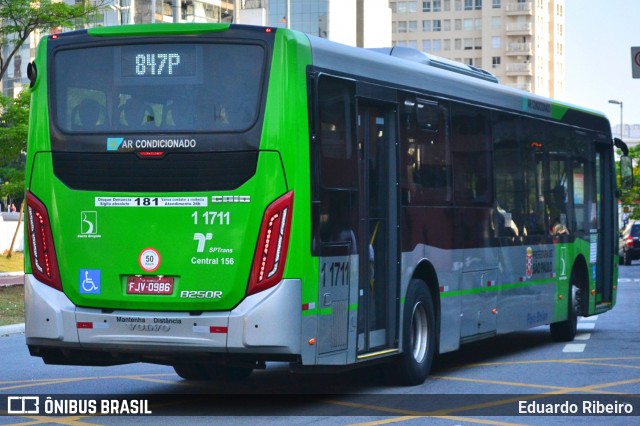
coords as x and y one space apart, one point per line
10 279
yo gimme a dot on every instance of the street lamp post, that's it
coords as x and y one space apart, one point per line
613 101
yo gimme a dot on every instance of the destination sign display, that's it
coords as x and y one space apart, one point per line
159 61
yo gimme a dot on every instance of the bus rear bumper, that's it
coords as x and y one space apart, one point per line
264 323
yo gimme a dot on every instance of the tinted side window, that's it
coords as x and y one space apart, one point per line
334 169
424 151
471 145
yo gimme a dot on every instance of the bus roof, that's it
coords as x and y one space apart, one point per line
382 66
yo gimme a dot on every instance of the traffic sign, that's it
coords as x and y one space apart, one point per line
635 62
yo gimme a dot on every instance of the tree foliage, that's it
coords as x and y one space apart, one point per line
20 18
14 128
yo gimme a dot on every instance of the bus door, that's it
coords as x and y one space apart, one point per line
335 212
378 239
603 229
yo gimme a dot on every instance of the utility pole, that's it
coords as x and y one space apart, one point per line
288 14
177 9
360 23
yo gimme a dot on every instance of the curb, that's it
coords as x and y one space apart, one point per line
11 274
9 330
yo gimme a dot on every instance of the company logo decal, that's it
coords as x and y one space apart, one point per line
201 239
89 223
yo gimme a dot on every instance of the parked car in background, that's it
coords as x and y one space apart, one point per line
630 243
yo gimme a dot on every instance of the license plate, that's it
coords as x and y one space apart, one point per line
149 285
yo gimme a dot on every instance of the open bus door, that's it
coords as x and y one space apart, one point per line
603 233
355 216
378 247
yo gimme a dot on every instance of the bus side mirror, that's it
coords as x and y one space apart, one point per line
626 172
32 73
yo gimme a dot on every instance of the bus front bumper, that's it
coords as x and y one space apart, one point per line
265 323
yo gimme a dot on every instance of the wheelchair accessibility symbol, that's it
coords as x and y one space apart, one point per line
89 281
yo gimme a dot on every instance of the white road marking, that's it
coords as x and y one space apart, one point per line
588 323
574 347
586 326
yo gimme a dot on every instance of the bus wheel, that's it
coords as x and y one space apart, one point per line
418 336
227 372
565 331
190 371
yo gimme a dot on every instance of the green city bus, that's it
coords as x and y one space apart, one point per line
214 197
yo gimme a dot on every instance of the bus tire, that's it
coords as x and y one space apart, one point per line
418 336
227 372
565 331
190 371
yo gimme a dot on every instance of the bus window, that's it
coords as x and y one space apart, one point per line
335 165
534 148
557 186
426 178
338 157
582 182
88 112
222 95
471 145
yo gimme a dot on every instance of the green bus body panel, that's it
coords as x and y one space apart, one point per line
286 129
157 29
38 138
124 232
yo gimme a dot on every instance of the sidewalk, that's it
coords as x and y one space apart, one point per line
10 279
9 330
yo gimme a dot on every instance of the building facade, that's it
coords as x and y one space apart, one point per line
365 23
520 41
122 12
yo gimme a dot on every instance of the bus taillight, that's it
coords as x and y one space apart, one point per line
42 253
273 242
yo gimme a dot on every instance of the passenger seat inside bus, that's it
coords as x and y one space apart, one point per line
88 115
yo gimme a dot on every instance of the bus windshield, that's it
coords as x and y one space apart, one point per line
147 88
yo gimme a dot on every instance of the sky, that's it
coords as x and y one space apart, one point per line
599 35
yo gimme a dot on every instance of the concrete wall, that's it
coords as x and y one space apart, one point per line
8 223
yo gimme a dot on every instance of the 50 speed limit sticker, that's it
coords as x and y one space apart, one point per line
149 259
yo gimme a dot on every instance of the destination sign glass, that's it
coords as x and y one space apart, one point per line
164 61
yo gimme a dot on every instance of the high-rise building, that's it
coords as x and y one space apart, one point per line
363 23
520 41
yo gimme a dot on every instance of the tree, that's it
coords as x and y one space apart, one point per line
14 128
19 18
